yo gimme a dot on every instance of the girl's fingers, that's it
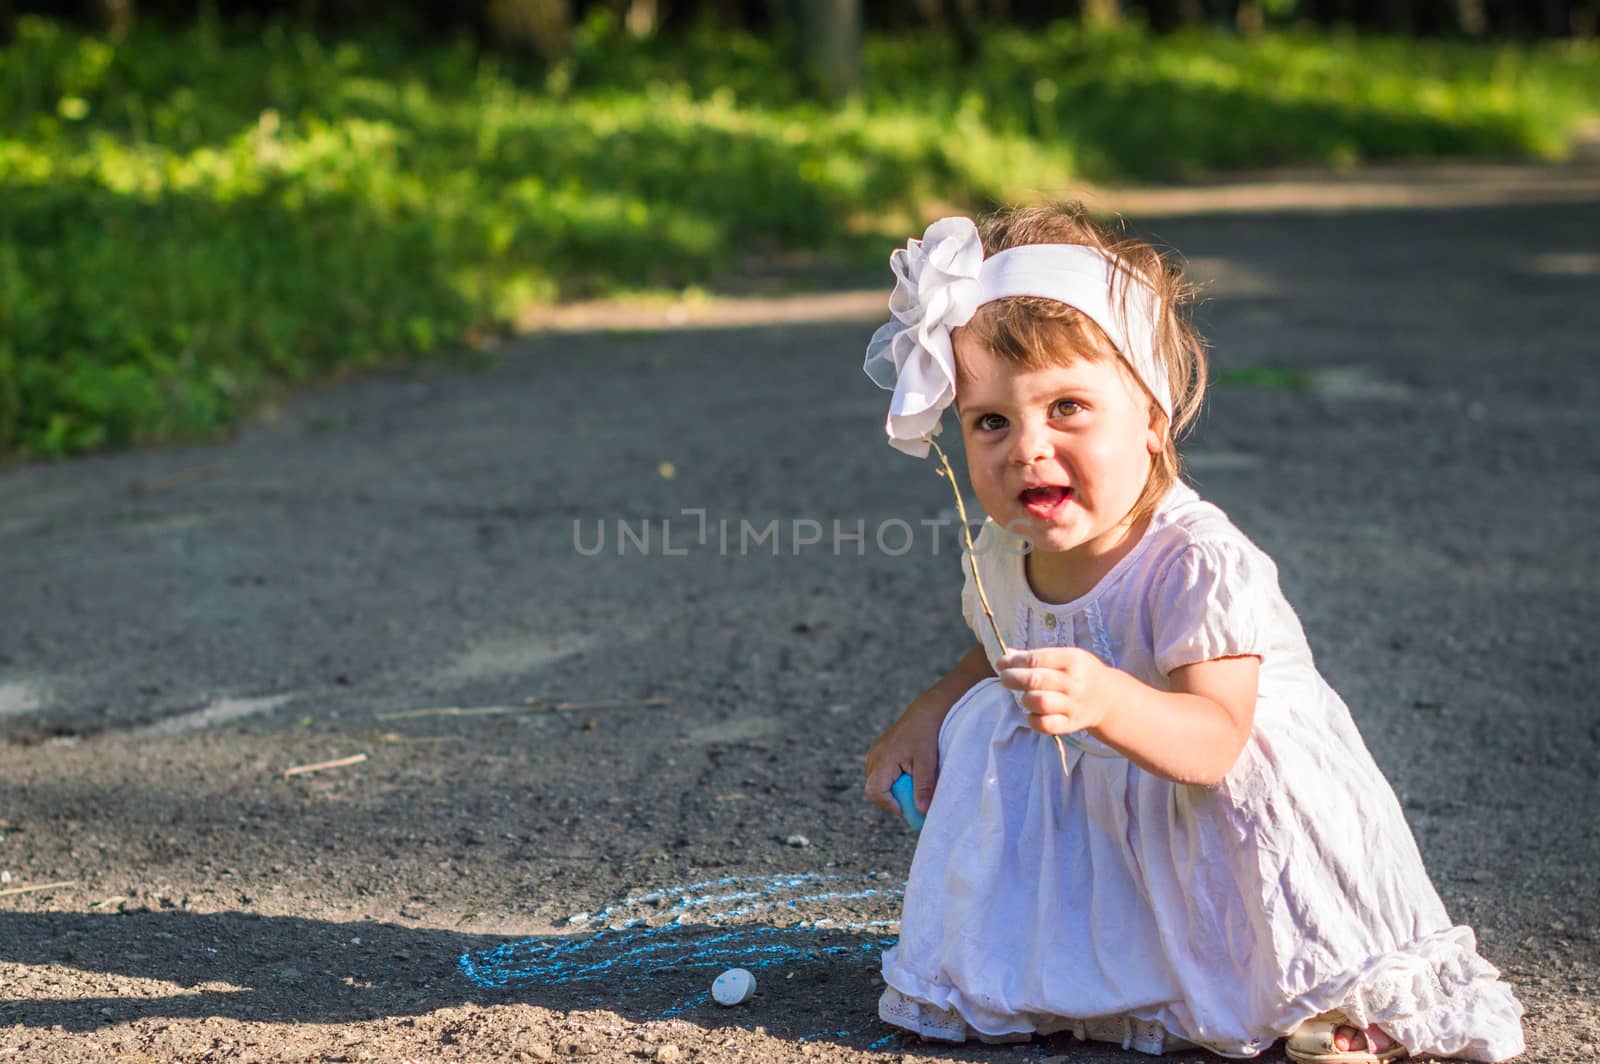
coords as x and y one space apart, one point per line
1054 724
884 801
1033 679
1048 704
877 789
1041 658
923 775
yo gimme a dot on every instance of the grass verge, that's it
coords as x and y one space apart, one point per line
193 222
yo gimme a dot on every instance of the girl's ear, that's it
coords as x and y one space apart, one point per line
1155 437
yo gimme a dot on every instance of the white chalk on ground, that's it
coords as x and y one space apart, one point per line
733 987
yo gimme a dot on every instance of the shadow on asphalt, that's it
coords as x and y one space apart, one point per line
246 967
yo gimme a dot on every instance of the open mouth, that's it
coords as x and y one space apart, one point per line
1044 502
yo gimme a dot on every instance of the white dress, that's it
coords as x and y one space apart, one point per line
1222 915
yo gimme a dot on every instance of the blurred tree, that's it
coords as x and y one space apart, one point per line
1102 12
1585 18
540 27
1330 12
1167 15
826 33
1561 17
959 18
827 36
1511 18
1470 17
114 18
1436 18
1390 16
641 18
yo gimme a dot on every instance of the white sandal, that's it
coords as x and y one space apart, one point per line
1142 1036
1312 1043
937 1025
923 1020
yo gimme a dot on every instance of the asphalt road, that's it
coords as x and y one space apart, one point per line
392 567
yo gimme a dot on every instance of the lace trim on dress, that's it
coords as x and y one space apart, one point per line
1439 997
1047 628
947 1025
1099 637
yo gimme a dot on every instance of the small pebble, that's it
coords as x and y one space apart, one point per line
797 840
668 1054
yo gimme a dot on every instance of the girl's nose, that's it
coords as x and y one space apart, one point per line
1030 443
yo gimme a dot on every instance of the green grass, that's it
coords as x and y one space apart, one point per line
191 223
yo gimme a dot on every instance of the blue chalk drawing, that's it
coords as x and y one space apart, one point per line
560 959
698 926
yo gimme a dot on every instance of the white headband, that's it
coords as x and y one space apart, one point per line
942 280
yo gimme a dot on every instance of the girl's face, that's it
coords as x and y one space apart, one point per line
1057 455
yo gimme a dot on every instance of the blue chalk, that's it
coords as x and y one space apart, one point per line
903 794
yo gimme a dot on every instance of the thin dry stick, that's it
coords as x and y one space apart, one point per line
615 703
972 563
452 711
60 885
298 770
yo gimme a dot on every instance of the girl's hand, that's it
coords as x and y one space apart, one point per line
1064 689
911 744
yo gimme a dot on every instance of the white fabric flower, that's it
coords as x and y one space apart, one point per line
936 289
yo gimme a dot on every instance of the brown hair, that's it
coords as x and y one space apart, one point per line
1036 333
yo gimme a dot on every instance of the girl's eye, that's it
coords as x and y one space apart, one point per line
1063 408
990 422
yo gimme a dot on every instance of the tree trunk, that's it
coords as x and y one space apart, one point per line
1506 18
1557 18
1331 12
642 18
1166 15
828 39
1390 16
1471 18
1102 12
543 27
1585 19
114 18
963 16
1250 18
1436 18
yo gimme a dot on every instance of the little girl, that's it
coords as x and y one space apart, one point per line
1155 822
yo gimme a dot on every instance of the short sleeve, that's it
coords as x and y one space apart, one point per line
1214 600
